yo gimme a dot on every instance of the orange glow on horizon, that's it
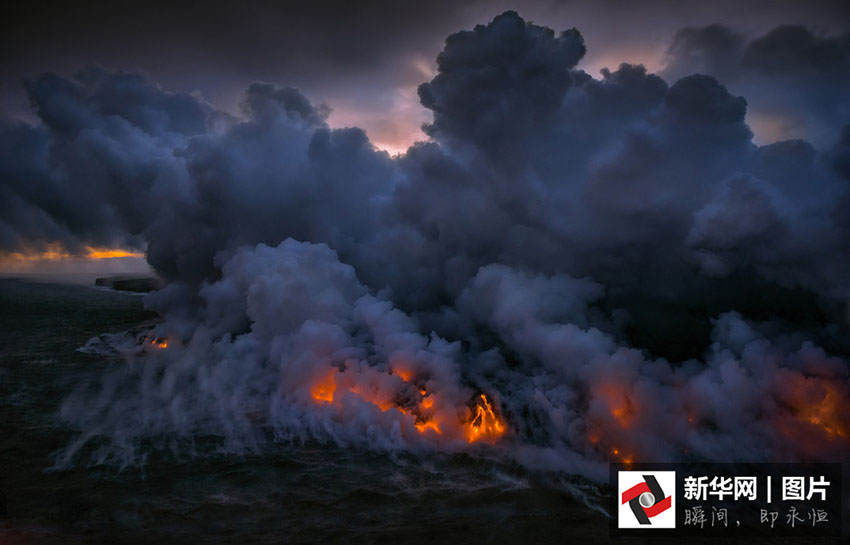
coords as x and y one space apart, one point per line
110 253
57 252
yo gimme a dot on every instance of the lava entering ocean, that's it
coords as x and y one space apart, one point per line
478 421
577 269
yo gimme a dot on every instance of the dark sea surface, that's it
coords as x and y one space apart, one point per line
300 493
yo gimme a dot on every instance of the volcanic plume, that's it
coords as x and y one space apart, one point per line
570 270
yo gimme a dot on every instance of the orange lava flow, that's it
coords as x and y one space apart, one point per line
827 411
159 343
615 412
428 411
485 425
422 427
622 458
619 403
323 391
402 371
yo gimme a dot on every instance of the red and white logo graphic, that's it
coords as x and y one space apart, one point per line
646 499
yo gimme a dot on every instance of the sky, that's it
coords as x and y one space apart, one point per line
364 59
624 224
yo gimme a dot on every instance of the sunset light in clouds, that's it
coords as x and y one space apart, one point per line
55 258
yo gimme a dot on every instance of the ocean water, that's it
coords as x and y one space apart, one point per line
286 493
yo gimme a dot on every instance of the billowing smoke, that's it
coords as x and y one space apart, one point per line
571 270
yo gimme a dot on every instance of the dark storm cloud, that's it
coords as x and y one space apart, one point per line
279 172
93 169
488 77
365 59
620 175
555 245
798 76
355 55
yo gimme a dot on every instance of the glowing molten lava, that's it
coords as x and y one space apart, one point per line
158 343
402 369
821 404
323 390
614 413
422 427
430 414
485 425
622 458
620 404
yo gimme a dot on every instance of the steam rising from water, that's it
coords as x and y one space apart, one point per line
571 271
289 345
